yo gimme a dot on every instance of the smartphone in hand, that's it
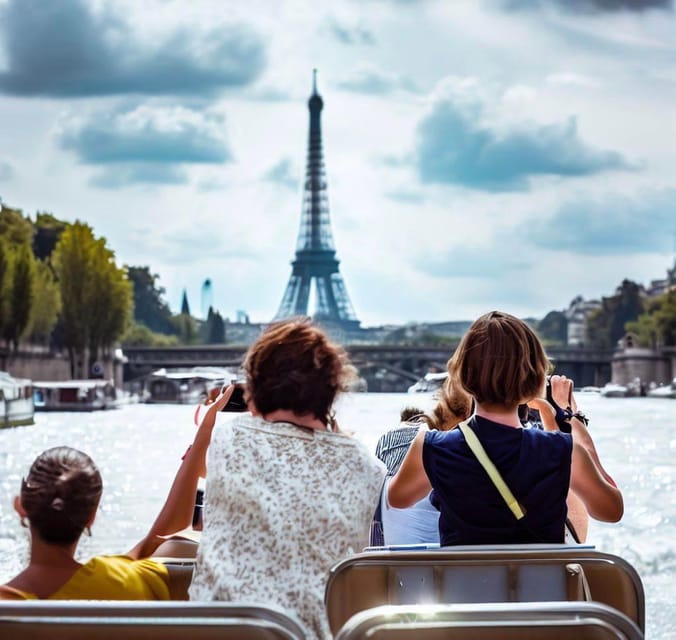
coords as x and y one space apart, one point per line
236 401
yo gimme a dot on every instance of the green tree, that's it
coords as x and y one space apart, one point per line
4 268
46 304
606 325
14 227
48 230
138 334
185 307
149 307
20 293
214 328
553 328
110 295
185 328
96 296
656 327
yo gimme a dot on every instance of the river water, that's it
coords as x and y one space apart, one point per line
138 449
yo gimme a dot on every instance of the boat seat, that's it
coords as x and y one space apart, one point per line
480 574
134 620
180 575
516 621
176 548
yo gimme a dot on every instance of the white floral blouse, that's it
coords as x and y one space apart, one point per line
282 505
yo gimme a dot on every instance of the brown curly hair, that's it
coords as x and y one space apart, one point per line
61 494
294 366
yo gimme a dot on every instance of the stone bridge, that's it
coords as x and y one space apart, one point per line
384 367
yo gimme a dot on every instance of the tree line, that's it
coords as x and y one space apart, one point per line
628 309
61 287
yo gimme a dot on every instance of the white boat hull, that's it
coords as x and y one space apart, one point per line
16 401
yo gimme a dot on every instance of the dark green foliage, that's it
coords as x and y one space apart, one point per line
46 304
185 307
553 328
656 327
185 328
149 307
14 227
214 328
607 325
138 334
96 296
48 230
20 292
4 267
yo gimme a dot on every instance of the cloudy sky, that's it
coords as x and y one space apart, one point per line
480 154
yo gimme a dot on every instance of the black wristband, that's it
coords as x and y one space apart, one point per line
563 417
581 417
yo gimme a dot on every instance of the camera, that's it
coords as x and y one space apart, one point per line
236 403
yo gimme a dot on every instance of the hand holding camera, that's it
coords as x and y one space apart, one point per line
559 394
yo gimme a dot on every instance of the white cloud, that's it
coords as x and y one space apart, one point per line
409 250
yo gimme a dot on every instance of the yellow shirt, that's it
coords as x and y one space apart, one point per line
113 578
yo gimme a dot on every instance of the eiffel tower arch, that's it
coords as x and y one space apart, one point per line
315 261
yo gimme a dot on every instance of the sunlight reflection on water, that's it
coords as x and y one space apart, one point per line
138 449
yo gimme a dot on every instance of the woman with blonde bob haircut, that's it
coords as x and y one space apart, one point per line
500 362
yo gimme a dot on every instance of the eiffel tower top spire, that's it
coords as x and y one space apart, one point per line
315 229
315 261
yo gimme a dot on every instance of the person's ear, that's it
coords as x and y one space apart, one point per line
18 507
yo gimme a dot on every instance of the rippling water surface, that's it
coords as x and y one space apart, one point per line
138 449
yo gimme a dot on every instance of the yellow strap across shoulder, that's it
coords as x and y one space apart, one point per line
491 470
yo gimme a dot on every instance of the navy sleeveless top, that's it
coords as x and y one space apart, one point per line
535 465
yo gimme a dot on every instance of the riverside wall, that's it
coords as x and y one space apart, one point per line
37 363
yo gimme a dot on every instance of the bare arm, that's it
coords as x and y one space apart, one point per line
583 437
410 484
176 514
602 499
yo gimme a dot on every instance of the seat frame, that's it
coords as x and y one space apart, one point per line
491 618
364 580
109 613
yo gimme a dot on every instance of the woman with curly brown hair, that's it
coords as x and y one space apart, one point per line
287 494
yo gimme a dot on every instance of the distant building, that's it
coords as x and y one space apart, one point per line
661 286
243 333
576 314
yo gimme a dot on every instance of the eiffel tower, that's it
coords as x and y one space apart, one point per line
315 259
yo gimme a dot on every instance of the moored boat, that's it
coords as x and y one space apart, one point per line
613 390
632 389
16 401
184 386
429 383
664 391
74 395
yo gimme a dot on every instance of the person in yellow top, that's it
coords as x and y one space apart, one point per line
58 502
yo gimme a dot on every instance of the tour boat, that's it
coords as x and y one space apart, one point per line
74 395
16 401
185 386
